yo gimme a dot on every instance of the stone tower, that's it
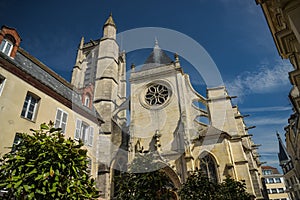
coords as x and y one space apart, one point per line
101 66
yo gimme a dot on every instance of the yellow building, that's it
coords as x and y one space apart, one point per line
283 18
31 94
275 183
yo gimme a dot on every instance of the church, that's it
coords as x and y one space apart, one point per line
161 113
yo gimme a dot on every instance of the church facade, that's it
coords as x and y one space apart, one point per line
165 116
162 114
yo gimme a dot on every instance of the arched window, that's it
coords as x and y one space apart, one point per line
9 41
208 167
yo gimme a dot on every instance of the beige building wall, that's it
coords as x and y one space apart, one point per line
274 183
14 91
283 18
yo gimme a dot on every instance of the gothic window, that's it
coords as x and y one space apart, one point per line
156 94
208 168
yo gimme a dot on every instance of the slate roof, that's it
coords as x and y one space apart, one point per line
157 58
282 155
33 67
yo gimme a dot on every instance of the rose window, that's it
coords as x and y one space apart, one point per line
156 94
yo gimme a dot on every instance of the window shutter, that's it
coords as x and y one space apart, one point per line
58 118
78 129
91 136
64 122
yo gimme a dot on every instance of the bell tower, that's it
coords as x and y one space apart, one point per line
110 80
109 73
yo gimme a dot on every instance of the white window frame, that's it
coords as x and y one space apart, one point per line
2 83
87 101
91 136
282 190
17 141
273 191
59 123
78 129
84 131
5 42
271 180
277 180
27 109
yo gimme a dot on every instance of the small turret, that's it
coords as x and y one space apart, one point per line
109 28
77 72
79 57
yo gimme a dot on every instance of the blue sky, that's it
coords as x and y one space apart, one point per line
233 32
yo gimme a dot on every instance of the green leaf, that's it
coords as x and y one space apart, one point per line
26 188
18 184
20 157
31 195
44 126
34 171
51 172
39 177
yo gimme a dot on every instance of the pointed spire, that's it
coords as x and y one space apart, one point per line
81 43
79 57
156 58
110 21
283 156
156 43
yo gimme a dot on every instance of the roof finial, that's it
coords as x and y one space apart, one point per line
156 42
110 21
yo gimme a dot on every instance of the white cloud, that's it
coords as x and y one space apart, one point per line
267 121
265 80
267 109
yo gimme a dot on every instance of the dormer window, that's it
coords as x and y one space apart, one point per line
9 41
87 101
6 46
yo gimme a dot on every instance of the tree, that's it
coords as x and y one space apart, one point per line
45 165
231 189
198 187
148 185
